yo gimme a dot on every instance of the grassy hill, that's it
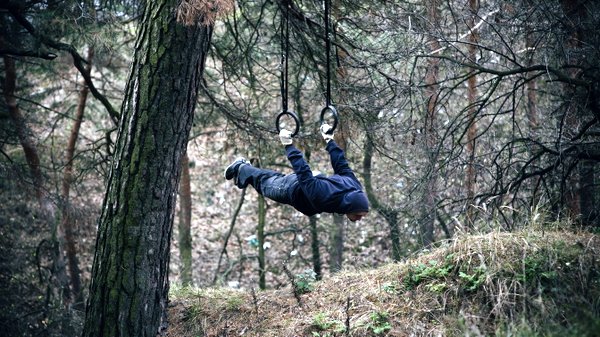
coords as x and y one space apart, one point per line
530 283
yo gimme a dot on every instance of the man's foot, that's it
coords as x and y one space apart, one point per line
232 170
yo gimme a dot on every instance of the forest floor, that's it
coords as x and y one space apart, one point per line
528 283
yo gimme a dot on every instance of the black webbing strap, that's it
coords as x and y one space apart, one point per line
328 52
285 50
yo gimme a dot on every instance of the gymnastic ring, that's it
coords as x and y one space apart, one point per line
335 117
294 116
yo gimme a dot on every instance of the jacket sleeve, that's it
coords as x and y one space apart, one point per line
300 166
338 160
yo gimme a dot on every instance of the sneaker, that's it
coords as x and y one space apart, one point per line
232 170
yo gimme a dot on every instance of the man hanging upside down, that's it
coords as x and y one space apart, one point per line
339 193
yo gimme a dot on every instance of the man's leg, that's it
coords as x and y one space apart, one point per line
232 169
249 175
279 188
271 184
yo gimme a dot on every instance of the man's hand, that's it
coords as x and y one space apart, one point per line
326 132
285 137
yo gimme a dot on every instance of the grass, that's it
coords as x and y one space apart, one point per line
529 283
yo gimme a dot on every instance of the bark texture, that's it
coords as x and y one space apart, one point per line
185 223
129 286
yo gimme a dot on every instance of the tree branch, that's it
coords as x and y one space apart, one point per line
78 60
28 53
560 76
228 235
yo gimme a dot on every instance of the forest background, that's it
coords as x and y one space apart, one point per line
458 117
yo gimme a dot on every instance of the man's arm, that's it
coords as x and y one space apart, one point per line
338 160
299 165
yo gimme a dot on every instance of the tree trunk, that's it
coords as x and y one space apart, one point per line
580 188
532 103
260 234
472 131
25 138
185 223
590 215
336 243
129 286
314 233
430 144
336 232
314 245
67 222
390 214
532 109
60 283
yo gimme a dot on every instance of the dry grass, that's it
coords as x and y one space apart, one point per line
530 283
190 12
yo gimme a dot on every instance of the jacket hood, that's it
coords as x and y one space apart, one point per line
354 202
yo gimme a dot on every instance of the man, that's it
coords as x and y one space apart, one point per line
339 193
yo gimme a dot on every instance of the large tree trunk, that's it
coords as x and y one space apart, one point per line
185 223
129 286
68 222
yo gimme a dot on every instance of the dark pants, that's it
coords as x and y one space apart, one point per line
271 184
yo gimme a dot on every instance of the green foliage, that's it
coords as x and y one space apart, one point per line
436 273
326 325
320 334
379 322
390 287
421 272
304 282
473 280
536 267
437 287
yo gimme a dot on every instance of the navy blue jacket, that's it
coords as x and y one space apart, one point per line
339 193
